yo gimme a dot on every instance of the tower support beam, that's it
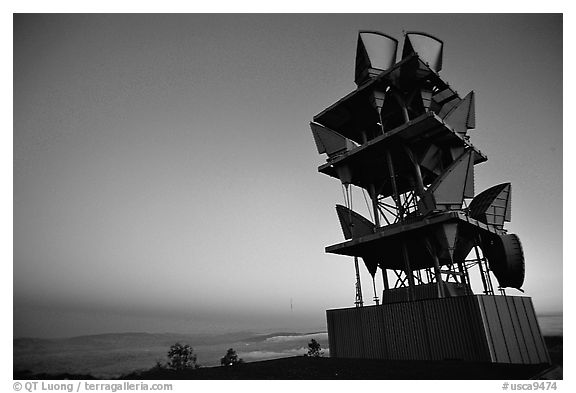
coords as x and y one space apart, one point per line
392 175
408 271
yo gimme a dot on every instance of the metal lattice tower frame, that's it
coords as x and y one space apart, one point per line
402 138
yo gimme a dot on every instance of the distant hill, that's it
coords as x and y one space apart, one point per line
111 355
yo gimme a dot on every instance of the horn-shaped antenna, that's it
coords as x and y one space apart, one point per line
428 48
462 115
375 52
353 224
329 141
452 186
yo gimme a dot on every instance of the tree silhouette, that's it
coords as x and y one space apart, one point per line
231 358
314 349
181 357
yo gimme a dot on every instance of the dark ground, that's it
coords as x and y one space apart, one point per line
554 345
328 368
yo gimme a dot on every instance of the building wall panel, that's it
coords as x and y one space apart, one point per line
451 331
394 317
369 342
508 329
486 329
526 330
472 328
510 302
535 328
376 347
422 341
494 329
392 344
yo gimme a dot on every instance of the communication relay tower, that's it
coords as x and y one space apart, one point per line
401 137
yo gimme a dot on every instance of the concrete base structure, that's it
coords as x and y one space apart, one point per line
480 328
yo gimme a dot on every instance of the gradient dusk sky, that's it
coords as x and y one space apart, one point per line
165 177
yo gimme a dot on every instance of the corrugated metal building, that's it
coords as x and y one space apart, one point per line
499 329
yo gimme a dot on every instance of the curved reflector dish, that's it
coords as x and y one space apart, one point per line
428 48
493 206
375 52
506 259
